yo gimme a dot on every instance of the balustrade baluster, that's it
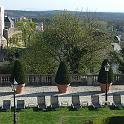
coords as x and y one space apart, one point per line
34 79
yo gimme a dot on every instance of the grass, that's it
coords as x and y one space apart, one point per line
61 116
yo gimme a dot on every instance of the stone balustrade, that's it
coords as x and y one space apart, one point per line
40 79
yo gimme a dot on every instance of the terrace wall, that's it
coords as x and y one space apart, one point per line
76 80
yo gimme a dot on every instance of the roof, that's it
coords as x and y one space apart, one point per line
3 39
8 19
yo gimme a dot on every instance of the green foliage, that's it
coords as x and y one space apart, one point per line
18 73
12 53
16 40
104 76
62 76
27 28
118 58
61 34
79 42
74 59
98 44
83 44
5 68
36 58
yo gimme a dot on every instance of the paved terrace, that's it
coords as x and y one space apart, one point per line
85 92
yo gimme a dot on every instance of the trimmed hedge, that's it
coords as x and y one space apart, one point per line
18 73
102 77
62 76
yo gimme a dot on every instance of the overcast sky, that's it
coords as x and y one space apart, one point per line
76 5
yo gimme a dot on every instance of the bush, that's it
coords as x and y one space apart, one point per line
62 76
17 73
102 77
5 68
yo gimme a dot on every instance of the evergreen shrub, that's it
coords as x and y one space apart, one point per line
62 76
18 73
102 77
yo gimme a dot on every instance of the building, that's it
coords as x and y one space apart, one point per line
3 41
8 22
116 47
8 28
39 26
10 32
1 20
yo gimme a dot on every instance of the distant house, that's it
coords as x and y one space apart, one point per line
117 43
9 29
116 47
8 22
39 26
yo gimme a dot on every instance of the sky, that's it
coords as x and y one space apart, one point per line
73 5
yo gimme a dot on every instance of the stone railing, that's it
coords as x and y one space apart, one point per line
37 79
4 79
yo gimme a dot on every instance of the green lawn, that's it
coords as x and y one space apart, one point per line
61 116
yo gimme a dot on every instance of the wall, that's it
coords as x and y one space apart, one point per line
1 20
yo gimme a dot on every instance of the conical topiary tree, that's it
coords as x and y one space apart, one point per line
103 77
62 76
18 73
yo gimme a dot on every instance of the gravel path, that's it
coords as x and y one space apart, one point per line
85 92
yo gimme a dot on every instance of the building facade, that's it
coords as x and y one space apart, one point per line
1 20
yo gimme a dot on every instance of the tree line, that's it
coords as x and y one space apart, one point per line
82 43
